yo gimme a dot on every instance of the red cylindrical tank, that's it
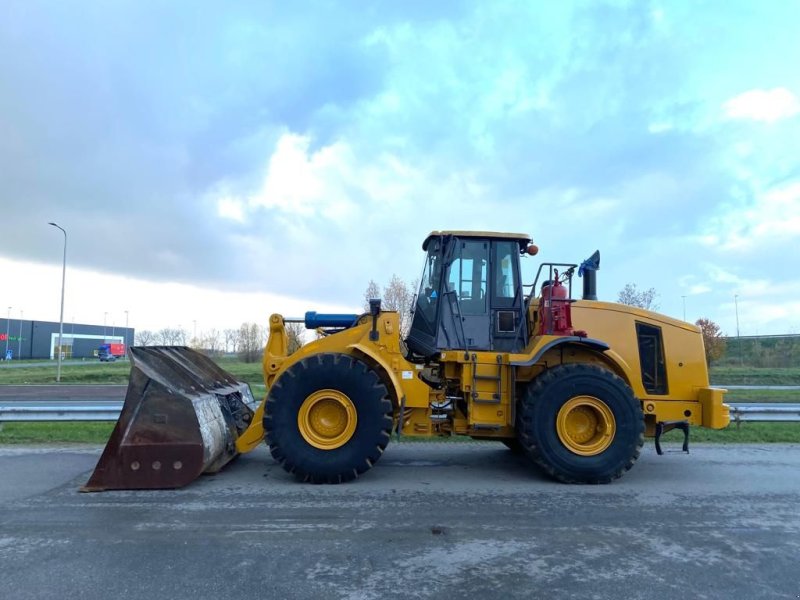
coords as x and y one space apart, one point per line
554 309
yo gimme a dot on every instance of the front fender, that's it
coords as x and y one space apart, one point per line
390 377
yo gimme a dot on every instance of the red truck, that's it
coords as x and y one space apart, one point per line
110 352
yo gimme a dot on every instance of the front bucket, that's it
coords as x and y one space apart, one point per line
181 417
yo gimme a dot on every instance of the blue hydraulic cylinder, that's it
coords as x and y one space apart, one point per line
315 321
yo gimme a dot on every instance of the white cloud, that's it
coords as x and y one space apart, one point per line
150 305
767 306
763 105
772 218
719 275
693 287
699 288
315 196
659 127
230 208
303 183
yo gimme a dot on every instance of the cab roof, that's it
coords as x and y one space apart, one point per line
522 238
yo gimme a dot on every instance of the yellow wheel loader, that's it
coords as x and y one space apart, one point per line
574 384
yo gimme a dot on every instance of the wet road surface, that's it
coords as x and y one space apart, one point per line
431 520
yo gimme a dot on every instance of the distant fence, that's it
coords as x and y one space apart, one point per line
763 351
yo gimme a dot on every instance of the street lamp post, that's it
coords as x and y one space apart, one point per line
8 324
19 339
105 316
684 307
61 318
738 339
126 333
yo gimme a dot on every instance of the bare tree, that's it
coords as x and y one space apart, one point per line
713 341
231 336
645 299
169 336
373 292
398 295
211 341
145 337
250 342
295 331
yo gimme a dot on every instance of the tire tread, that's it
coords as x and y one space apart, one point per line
526 425
371 383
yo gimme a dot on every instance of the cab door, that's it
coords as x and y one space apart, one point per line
507 315
468 295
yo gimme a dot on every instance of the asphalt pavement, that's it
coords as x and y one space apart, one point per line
431 520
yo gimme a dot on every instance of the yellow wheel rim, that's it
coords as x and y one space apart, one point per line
586 425
327 419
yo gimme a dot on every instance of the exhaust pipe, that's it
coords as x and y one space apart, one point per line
588 270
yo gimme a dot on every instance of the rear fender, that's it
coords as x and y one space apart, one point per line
550 342
598 349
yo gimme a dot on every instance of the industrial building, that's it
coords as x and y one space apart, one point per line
26 339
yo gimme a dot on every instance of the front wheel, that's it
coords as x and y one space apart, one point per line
514 445
581 424
328 418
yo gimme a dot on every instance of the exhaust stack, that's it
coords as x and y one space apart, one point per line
588 270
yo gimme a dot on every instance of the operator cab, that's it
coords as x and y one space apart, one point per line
470 295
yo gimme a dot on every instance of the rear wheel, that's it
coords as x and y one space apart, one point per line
581 424
328 418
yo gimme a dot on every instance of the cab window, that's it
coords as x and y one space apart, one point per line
467 277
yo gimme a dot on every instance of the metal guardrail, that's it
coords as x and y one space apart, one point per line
47 410
780 388
764 412
64 410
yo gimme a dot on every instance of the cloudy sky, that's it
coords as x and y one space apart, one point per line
213 164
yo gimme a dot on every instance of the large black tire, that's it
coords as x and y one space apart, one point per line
343 374
544 442
514 445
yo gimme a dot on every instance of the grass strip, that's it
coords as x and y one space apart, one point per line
754 376
52 432
93 373
755 396
744 433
